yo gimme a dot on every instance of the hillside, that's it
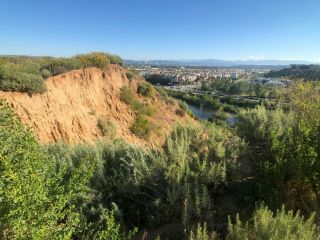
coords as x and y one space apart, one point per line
306 72
74 102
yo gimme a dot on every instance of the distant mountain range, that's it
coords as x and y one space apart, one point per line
216 62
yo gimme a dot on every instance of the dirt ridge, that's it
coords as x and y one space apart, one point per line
75 100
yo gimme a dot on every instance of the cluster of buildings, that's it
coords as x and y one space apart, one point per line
190 75
196 75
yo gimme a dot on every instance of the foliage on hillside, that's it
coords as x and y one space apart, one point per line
146 89
27 74
141 125
40 194
305 72
21 77
202 174
267 225
147 188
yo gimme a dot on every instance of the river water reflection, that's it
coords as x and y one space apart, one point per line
201 112
206 113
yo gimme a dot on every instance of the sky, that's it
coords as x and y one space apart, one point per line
163 29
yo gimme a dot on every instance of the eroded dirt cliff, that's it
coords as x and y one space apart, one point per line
74 101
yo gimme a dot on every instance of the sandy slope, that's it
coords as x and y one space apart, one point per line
74 101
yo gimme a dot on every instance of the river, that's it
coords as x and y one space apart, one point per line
201 112
205 113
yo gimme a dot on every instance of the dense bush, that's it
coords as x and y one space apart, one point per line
267 225
37 199
27 74
115 59
45 73
237 88
159 79
141 126
183 105
44 192
178 179
230 108
126 95
147 110
208 101
58 66
146 89
260 127
21 77
129 75
180 112
284 148
202 173
94 59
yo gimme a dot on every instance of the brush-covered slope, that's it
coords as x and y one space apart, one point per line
75 101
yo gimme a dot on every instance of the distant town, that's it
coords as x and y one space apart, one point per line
180 75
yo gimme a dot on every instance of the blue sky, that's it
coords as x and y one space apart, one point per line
163 29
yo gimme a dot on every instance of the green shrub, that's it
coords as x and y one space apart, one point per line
180 112
21 77
146 89
229 108
37 197
145 187
137 105
45 73
94 59
107 128
126 95
267 225
169 101
221 115
162 92
148 110
111 229
115 59
201 233
58 66
183 105
101 208
26 74
129 75
141 126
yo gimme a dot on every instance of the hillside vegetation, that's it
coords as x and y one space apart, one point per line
108 156
27 74
305 72
258 180
82 106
